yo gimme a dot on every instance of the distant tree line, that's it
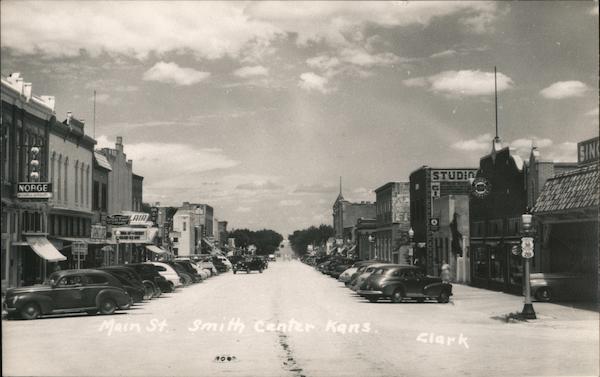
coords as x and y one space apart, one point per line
300 239
265 240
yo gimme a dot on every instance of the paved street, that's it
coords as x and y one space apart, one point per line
334 334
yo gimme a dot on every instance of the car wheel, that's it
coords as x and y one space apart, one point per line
443 298
31 310
543 294
397 296
157 291
107 306
261 270
247 270
373 299
234 271
148 291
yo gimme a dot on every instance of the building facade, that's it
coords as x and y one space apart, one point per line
71 169
137 182
25 123
365 246
426 184
567 217
119 178
346 214
392 210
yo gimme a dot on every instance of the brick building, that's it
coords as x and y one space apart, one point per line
393 222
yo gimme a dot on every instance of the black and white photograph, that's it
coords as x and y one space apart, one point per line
299 188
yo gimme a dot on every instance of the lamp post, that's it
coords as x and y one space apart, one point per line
117 235
371 242
527 253
411 250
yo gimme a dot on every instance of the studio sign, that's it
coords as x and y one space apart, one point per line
34 190
452 175
481 187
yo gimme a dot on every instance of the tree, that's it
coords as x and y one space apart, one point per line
300 239
265 240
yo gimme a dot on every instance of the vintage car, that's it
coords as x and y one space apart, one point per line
362 274
69 291
134 287
249 264
151 278
561 286
399 282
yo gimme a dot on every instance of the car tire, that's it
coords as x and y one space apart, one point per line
543 294
373 299
107 306
234 272
443 298
148 291
397 296
247 270
30 311
260 271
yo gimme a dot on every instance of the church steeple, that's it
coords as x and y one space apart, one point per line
340 196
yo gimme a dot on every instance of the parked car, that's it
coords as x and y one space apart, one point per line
219 264
134 287
249 264
168 272
69 291
348 276
187 268
398 282
187 277
151 278
561 286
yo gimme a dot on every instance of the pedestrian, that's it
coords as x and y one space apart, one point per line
445 274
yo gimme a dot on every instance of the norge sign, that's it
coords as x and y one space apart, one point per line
34 190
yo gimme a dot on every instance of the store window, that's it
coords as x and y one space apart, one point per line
480 261
497 264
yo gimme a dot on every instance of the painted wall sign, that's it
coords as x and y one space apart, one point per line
117 220
587 151
453 175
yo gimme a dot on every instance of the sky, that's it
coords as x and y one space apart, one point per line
258 108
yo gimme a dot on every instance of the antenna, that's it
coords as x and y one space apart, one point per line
94 122
340 185
496 99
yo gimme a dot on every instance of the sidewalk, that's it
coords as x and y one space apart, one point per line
482 303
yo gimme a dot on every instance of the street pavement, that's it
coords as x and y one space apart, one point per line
325 330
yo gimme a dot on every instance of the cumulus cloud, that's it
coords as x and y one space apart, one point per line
251 71
311 81
171 73
564 89
479 144
465 82
212 29
563 152
260 185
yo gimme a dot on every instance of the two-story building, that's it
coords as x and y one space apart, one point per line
393 222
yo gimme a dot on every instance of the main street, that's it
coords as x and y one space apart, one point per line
328 332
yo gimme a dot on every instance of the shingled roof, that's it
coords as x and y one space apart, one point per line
575 189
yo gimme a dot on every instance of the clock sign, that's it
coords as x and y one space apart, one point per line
481 187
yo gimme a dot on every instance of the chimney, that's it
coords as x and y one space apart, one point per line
49 100
119 144
69 116
27 91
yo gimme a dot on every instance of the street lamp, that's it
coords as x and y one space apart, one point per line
411 250
527 254
117 235
371 242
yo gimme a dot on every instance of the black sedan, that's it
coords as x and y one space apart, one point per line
69 291
249 264
399 282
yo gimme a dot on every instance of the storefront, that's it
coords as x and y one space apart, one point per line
567 210
497 201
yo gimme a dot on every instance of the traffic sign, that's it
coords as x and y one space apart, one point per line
527 247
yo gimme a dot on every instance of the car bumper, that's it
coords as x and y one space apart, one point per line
368 293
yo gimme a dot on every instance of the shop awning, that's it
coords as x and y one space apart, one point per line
45 249
152 232
155 249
